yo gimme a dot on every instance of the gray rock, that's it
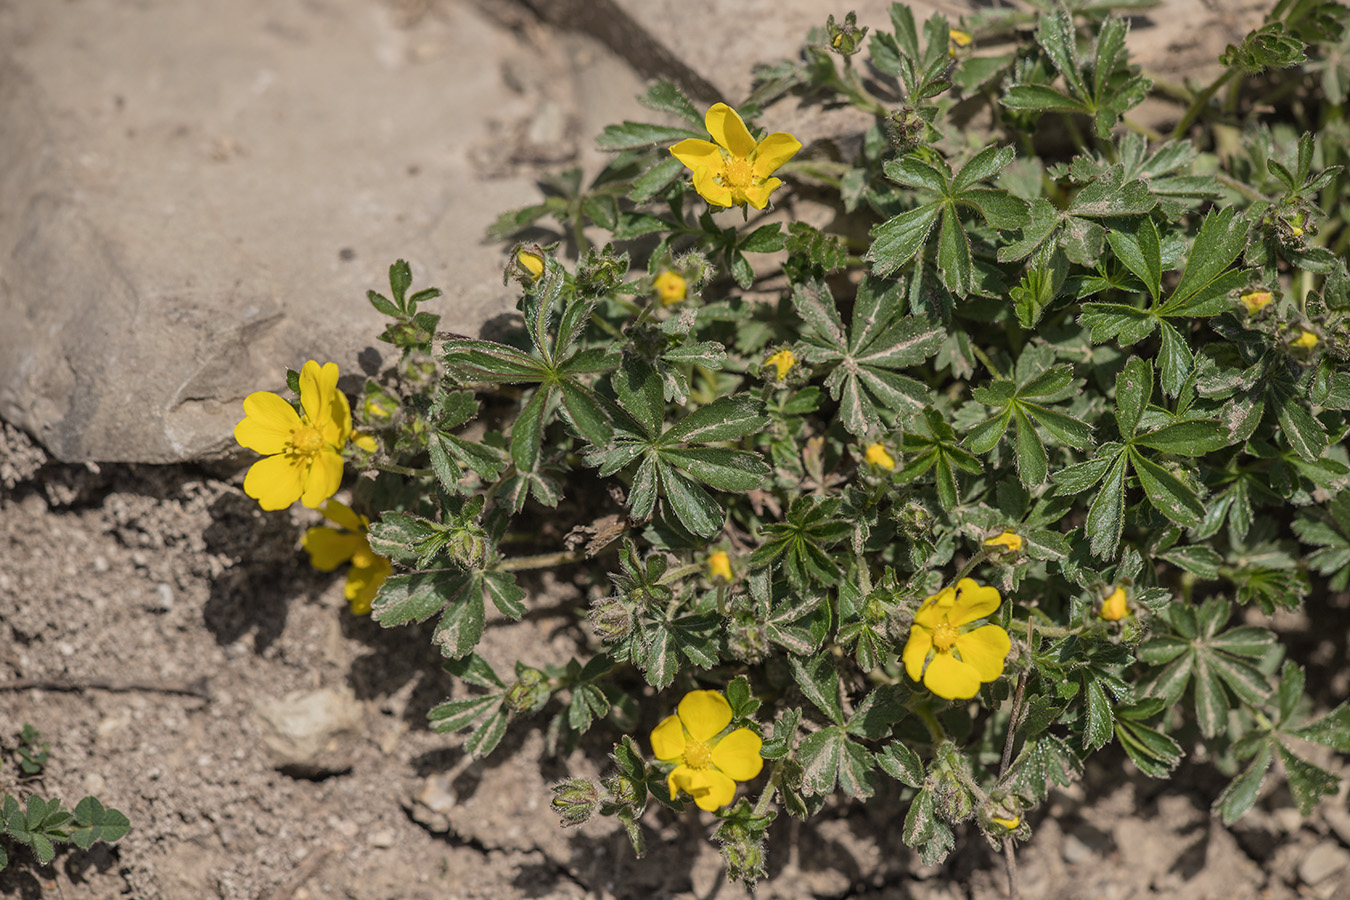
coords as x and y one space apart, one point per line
311 733
200 195
1322 862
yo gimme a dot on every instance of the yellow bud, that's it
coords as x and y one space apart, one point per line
365 441
784 360
531 262
958 40
877 456
1010 824
670 287
1306 339
1115 607
1007 539
1255 301
719 566
1296 231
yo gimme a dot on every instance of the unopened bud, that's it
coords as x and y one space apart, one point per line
575 801
529 693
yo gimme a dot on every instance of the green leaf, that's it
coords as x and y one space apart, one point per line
819 682
898 239
902 764
1141 253
1167 493
1307 782
1243 790
1106 517
1223 236
696 510
1134 387
829 757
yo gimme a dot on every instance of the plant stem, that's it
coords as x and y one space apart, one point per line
765 798
679 572
1201 101
1013 723
935 730
395 469
1010 862
538 561
971 564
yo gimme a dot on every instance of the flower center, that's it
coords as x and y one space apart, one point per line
698 755
944 637
307 440
737 173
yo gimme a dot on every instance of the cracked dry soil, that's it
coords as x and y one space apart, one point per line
145 612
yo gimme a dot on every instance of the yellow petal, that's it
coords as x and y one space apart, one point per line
317 384
269 421
323 478
697 154
916 650
275 482
338 425
704 714
710 788
719 566
936 609
533 262
668 739
737 754
1007 539
876 455
341 514
705 182
728 129
363 583
773 151
972 601
948 677
758 195
675 781
329 548
1115 607
986 648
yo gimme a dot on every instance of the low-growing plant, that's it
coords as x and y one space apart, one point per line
929 515
41 824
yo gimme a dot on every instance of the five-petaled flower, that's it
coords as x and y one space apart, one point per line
953 663
671 287
707 763
329 548
876 455
303 451
735 170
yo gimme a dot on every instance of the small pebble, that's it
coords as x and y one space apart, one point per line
382 838
1322 862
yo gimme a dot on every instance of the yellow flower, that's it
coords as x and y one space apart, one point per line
329 548
1306 339
783 360
303 451
1255 301
1115 607
719 566
1007 539
670 287
707 766
952 663
735 170
876 455
957 40
531 262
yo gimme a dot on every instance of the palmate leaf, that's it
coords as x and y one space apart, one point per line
1215 664
460 598
1020 407
867 358
898 240
1077 231
931 444
1329 529
1104 91
1206 283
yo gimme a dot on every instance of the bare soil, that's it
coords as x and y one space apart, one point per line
146 611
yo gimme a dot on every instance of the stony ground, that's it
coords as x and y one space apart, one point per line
158 629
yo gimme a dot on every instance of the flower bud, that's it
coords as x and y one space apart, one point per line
1255 301
575 801
626 791
957 41
1006 543
877 456
529 693
905 128
1115 607
670 287
719 566
782 361
611 618
531 263
1306 340
845 39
